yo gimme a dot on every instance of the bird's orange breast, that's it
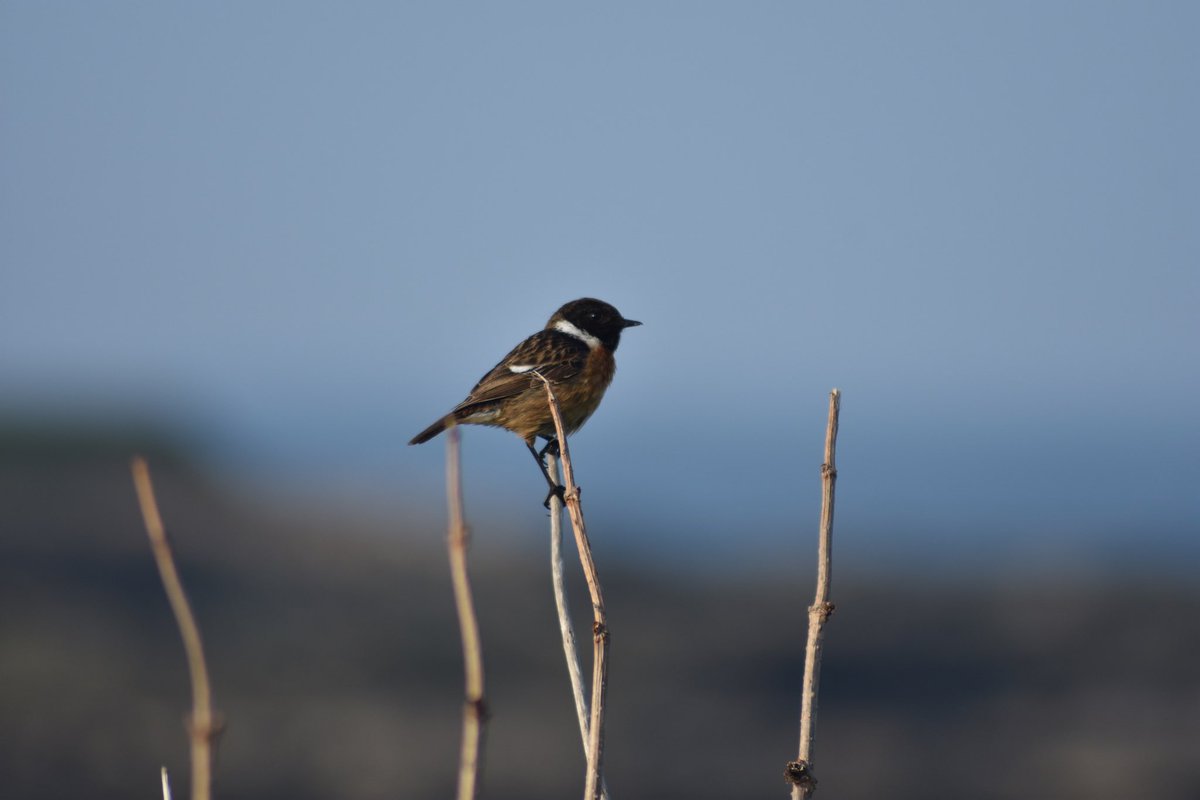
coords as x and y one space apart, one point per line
580 396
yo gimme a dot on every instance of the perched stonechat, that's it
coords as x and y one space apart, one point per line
574 352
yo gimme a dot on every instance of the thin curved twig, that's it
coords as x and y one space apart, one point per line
566 628
600 634
474 708
203 726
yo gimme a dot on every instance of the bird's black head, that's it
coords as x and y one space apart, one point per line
591 318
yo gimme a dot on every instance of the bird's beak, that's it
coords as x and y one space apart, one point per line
630 323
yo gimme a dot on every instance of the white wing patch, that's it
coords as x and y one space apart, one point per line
521 368
483 417
562 326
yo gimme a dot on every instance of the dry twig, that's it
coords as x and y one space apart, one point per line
474 710
203 726
799 772
593 783
570 650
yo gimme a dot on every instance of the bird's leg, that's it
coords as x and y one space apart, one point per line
556 490
551 448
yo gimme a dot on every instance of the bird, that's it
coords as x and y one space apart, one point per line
574 351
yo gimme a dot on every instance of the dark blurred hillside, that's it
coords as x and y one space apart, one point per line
335 658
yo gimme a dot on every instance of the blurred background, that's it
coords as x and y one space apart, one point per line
267 243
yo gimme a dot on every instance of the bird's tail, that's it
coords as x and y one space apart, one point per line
430 432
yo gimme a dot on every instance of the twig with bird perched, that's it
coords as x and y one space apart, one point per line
548 386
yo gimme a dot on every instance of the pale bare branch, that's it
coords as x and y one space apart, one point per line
799 772
570 650
203 725
593 783
474 709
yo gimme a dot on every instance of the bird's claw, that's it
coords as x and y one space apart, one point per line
558 491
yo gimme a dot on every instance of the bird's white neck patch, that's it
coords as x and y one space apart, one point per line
562 326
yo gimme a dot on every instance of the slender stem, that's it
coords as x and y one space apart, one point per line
474 711
570 650
600 635
799 772
202 727
166 785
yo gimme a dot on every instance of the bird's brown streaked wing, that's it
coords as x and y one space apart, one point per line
555 355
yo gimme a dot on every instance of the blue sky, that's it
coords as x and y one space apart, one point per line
300 232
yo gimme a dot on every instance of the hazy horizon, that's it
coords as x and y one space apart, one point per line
297 235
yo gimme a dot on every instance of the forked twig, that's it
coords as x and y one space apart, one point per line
203 726
474 710
799 772
570 650
593 783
